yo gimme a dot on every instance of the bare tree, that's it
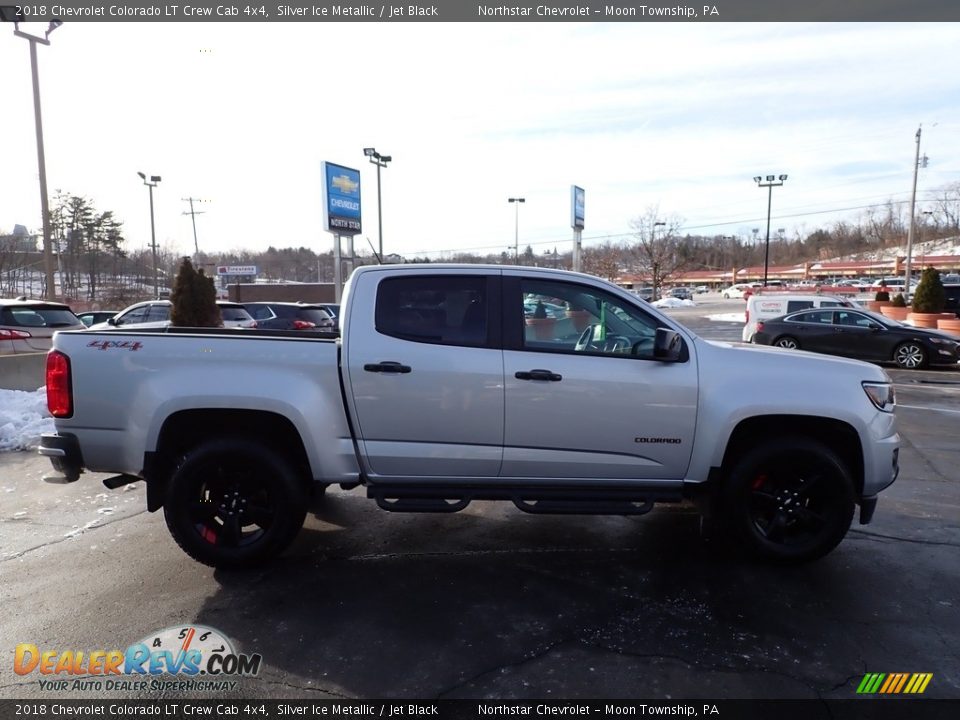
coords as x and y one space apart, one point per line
657 251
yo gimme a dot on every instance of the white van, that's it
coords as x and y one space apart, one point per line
767 307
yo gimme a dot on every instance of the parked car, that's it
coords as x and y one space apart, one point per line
235 315
291 316
701 289
681 293
953 298
644 293
738 290
156 313
767 307
27 326
93 317
859 334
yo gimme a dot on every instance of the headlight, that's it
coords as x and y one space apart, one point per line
881 395
943 341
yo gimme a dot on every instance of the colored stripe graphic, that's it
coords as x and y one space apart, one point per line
894 683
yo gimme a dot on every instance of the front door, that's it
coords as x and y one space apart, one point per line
584 396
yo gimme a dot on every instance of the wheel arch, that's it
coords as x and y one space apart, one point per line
187 429
840 437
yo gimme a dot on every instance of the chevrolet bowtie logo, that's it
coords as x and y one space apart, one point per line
344 184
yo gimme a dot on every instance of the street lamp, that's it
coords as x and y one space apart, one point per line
41 161
770 184
381 162
516 227
152 183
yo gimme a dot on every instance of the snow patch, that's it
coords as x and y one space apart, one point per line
672 302
737 317
23 418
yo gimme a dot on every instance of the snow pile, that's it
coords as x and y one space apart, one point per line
23 417
672 302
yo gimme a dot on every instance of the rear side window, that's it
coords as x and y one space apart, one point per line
445 309
823 317
318 316
233 313
794 305
260 312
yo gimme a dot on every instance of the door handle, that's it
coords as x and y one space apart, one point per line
387 366
538 375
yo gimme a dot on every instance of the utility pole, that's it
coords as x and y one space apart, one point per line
913 203
193 213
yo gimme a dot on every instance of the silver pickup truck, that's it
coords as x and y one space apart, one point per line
557 391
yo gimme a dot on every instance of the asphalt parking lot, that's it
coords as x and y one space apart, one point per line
493 603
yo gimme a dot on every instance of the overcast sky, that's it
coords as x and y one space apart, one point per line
680 116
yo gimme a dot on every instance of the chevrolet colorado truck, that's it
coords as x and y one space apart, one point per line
557 391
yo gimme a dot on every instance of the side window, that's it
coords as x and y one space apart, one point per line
260 312
159 313
443 309
793 305
134 316
576 318
830 303
853 319
823 318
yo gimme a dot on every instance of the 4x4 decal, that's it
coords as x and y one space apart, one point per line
131 345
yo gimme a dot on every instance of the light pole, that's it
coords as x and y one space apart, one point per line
152 183
381 162
516 227
41 160
770 185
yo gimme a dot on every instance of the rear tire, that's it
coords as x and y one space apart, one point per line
790 500
234 503
787 342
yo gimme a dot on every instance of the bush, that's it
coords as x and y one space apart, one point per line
882 294
899 300
194 299
930 297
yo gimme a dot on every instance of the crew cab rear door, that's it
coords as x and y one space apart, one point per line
424 373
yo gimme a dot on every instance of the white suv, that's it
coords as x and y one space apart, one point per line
156 314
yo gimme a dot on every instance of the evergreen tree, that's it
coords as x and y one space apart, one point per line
194 298
186 302
930 296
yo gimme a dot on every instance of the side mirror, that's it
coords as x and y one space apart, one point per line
667 346
111 321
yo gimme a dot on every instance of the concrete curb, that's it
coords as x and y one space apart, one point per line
23 372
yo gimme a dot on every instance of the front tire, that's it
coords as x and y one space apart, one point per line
790 500
910 356
234 503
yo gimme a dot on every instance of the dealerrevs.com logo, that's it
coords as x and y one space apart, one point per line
191 657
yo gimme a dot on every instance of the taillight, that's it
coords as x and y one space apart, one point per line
760 326
13 334
302 325
59 390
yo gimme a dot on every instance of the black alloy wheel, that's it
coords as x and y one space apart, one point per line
234 503
790 500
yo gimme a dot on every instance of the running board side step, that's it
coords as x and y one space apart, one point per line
535 500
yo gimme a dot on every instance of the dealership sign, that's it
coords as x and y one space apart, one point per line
341 199
236 270
577 202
